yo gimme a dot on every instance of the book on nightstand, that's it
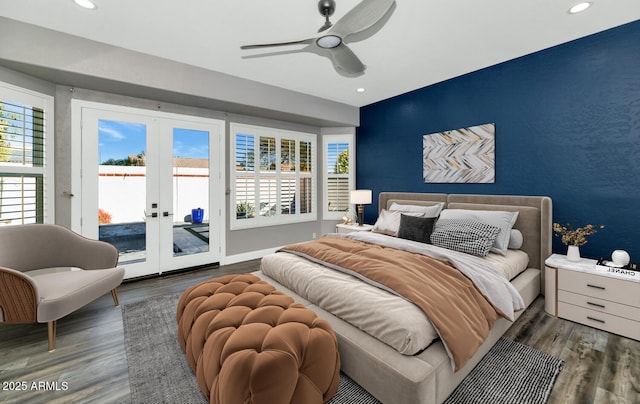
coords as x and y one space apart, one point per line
632 269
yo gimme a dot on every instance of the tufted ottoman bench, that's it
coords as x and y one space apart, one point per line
248 343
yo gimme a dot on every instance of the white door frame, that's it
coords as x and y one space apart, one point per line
217 153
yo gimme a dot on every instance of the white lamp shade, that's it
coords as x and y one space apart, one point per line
360 196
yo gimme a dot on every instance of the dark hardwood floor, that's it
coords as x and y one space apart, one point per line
90 364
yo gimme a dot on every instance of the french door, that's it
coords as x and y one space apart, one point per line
151 185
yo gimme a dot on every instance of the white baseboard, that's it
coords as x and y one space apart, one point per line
252 255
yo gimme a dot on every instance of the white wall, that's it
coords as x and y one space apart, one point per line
78 62
122 192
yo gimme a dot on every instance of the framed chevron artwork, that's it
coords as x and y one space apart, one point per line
465 155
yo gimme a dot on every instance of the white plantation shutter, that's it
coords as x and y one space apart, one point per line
339 175
338 193
26 180
272 177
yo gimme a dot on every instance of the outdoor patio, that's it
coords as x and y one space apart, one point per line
188 238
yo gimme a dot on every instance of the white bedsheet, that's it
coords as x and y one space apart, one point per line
511 264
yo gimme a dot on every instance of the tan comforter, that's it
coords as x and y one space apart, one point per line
460 314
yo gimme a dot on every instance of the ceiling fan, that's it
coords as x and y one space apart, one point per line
332 37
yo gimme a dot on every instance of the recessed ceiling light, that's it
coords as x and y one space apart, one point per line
360 90
580 7
86 4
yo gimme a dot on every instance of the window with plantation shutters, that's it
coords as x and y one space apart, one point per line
272 177
25 139
338 175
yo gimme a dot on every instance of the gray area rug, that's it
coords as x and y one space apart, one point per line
158 371
510 373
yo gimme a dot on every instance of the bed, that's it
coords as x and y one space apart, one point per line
394 371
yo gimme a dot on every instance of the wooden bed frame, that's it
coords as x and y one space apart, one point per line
428 377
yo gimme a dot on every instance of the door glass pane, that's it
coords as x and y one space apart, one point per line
190 191
122 187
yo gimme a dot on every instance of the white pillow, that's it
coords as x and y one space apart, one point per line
428 211
515 239
389 221
501 219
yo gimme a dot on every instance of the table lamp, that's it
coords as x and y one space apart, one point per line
360 197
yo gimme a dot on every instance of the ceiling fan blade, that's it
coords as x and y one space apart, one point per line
266 45
276 53
345 60
361 17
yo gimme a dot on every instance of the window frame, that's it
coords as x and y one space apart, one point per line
46 171
277 218
326 141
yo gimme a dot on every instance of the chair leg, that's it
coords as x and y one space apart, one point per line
114 294
51 326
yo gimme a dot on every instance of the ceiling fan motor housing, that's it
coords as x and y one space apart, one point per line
327 7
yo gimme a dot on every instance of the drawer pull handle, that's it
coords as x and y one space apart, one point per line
595 286
596 304
595 319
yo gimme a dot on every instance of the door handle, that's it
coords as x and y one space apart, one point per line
165 214
154 214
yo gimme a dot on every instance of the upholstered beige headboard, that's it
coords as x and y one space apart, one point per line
534 219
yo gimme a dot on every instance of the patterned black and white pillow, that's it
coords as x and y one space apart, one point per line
464 235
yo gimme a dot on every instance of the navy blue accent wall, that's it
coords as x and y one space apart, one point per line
567 126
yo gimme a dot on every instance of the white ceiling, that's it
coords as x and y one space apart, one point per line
422 42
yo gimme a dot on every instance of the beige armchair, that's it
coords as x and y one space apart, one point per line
48 271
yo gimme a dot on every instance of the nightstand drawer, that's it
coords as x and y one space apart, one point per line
603 306
602 287
603 321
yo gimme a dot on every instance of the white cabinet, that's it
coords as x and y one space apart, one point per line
608 299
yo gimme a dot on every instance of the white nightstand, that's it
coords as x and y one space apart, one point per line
348 228
603 298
